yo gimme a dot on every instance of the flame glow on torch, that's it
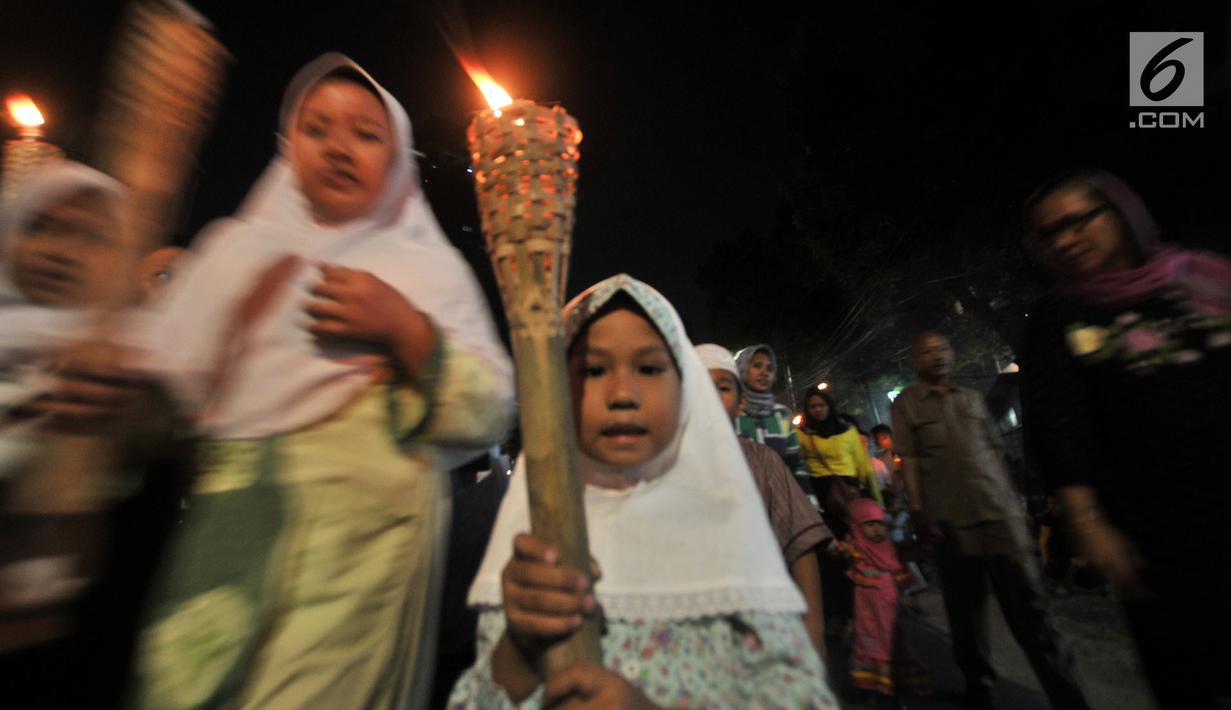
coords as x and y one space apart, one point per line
495 95
25 114
28 152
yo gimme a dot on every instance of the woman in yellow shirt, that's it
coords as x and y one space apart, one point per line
834 455
831 447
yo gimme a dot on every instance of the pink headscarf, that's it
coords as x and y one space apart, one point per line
880 555
1202 277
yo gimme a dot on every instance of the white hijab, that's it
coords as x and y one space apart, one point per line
42 188
286 380
29 331
24 325
690 538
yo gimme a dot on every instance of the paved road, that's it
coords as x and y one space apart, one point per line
1090 622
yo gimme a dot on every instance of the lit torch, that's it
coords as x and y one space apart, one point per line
525 170
28 151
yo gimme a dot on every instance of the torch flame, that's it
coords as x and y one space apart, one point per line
23 111
497 97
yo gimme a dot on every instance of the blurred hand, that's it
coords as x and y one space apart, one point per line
585 685
90 387
542 600
356 305
1103 546
1110 552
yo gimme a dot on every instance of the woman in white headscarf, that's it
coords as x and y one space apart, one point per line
79 533
59 251
336 352
683 627
59 244
59 238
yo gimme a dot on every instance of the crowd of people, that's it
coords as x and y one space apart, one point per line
259 437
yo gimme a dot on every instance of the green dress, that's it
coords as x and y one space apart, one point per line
302 574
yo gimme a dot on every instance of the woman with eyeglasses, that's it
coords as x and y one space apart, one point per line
1126 371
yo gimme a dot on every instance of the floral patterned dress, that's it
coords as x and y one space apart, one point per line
754 660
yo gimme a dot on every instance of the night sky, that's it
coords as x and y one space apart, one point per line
695 118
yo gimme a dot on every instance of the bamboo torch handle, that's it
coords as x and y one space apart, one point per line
557 514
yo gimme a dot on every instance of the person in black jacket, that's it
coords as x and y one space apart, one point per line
1132 345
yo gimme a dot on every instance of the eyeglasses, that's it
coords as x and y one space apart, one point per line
1078 222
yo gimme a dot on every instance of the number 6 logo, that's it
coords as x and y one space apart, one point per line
1166 69
1157 65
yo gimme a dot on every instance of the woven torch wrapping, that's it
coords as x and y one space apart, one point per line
23 156
525 168
163 86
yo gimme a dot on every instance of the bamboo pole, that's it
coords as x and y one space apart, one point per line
525 167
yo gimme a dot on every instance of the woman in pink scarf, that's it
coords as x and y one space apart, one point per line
1124 262
881 657
1126 367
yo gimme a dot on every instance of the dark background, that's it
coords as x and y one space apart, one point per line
771 168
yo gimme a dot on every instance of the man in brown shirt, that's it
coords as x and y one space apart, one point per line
961 500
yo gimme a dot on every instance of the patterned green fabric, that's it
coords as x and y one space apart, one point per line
300 576
777 432
214 582
302 564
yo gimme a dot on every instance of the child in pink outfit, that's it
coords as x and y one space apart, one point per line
881 657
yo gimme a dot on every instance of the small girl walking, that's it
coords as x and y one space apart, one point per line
665 486
882 661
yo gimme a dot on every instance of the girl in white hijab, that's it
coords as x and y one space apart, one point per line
60 249
334 349
59 245
666 487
